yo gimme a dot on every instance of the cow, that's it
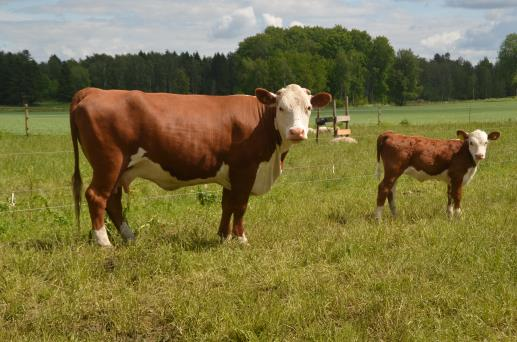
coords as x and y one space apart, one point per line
452 161
237 141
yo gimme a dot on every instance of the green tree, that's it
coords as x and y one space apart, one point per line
507 60
403 82
380 61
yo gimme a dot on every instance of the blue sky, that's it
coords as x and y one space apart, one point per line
471 29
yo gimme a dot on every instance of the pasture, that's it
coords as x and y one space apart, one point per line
318 266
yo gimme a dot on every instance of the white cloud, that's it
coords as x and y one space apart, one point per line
271 20
240 22
82 27
441 40
482 4
295 23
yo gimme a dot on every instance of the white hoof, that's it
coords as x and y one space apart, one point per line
101 237
242 239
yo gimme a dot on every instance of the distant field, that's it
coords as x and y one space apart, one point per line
318 266
53 118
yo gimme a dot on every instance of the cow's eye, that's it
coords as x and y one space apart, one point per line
309 108
471 144
486 142
280 109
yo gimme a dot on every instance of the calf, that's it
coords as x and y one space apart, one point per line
452 161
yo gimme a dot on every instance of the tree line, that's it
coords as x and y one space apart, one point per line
345 62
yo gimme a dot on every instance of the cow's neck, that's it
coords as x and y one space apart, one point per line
466 151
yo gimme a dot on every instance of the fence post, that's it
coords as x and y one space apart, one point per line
317 127
334 115
26 119
379 112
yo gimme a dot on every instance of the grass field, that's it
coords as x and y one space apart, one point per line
317 268
52 118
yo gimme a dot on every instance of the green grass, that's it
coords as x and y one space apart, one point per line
52 118
317 268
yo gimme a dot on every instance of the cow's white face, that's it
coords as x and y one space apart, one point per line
293 109
478 142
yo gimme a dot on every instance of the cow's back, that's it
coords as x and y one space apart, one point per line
195 133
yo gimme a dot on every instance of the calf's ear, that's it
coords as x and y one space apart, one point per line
265 96
320 99
494 135
462 134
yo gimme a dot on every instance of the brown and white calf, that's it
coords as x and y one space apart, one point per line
236 141
452 161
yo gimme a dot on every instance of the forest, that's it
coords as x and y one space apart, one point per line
344 62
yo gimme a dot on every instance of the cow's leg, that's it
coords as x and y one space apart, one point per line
114 209
456 189
97 194
384 189
224 226
238 220
449 201
391 199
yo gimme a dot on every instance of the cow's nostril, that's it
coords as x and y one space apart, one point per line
296 131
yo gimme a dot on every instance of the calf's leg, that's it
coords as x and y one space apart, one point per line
391 200
456 190
384 189
449 201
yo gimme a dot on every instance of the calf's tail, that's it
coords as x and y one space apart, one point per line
381 139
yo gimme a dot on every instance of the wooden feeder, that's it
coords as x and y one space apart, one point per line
335 120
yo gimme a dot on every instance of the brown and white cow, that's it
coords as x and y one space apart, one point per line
236 141
451 161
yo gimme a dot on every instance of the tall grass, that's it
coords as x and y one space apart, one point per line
318 266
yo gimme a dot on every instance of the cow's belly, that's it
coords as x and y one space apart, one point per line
423 176
143 167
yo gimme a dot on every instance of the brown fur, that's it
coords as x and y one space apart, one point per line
189 136
433 156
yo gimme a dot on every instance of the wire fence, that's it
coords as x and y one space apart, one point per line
334 167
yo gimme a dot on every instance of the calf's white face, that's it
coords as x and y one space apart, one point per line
478 142
293 109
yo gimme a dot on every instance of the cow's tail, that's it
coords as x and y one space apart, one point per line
77 182
381 139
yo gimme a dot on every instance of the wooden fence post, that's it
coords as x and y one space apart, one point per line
317 126
379 112
26 119
334 116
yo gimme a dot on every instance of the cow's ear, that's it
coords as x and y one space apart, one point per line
321 99
494 136
462 134
265 96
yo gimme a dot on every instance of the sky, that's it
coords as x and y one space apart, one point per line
471 29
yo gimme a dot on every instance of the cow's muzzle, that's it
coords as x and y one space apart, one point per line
479 156
296 134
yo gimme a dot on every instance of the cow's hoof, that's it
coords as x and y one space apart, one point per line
243 239
225 239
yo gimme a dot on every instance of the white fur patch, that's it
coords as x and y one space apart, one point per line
143 167
242 239
101 237
423 176
267 173
469 175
